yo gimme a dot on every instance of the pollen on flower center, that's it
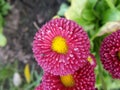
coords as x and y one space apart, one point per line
59 45
118 55
90 59
67 80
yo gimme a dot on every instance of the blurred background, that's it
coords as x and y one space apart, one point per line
21 19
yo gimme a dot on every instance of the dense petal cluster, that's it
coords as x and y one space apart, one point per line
84 80
110 54
61 46
40 87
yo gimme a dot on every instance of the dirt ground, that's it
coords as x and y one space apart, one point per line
21 25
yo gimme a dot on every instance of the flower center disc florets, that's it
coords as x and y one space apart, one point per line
67 80
90 60
59 45
118 55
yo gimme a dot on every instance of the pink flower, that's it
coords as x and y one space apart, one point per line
83 79
40 87
110 54
61 46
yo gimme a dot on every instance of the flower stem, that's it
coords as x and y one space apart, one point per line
110 4
104 87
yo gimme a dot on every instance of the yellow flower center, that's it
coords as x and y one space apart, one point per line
90 59
59 45
67 80
118 54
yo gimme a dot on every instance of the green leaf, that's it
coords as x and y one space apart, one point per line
1 20
3 40
69 0
75 10
82 13
5 8
109 27
115 1
92 3
88 15
88 12
5 73
62 9
118 7
1 29
111 15
2 2
100 7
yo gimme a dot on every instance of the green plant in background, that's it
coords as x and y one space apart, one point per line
8 81
99 18
4 7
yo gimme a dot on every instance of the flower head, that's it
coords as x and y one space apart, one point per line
61 46
83 79
110 54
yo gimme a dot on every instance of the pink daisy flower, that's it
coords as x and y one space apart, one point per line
110 54
83 79
61 46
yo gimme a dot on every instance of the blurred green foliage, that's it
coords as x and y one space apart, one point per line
7 72
93 15
4 7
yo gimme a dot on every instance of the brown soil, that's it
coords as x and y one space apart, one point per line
20 27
